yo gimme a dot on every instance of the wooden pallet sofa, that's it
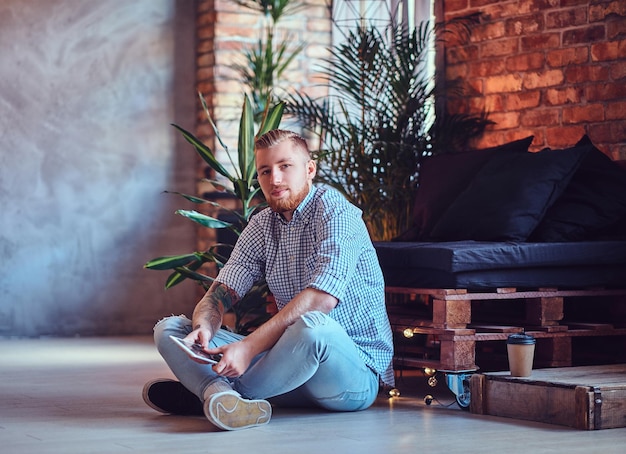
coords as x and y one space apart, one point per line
503 241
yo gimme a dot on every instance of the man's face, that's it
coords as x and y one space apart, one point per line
285 174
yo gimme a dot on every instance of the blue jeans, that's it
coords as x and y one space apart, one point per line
314 363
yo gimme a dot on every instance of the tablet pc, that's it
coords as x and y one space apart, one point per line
196 351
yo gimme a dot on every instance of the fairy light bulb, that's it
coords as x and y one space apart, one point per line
408 333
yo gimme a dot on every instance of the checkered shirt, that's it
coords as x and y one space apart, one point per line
325 246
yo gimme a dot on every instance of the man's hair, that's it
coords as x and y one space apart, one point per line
276 136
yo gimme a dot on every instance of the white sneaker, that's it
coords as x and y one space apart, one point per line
229 411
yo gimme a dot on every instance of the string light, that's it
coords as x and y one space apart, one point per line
408 333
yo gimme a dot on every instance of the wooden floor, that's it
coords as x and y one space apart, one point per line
83 395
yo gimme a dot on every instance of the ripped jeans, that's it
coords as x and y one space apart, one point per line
314 363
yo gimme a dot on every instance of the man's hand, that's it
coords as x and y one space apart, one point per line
236 359
200 336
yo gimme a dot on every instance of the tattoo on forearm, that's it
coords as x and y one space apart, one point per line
210 307
223 294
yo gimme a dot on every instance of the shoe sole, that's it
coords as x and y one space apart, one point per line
229 411
188 404
146 394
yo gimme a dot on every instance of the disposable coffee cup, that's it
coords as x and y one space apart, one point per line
521 350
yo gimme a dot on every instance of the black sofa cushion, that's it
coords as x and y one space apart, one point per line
476 264
509 196
593 204
443 177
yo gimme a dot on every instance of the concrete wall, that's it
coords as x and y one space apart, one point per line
88 89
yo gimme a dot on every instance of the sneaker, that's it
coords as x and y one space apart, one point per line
229 411
170 396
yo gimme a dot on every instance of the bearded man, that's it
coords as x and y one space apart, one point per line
330 343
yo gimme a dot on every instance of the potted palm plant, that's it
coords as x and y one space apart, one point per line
243 187
379 121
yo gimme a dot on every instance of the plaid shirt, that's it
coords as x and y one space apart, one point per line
325 246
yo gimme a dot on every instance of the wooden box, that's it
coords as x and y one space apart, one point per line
588 398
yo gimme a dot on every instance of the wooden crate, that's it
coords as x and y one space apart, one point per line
452 328
588 398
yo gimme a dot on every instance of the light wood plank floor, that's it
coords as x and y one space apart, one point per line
83 395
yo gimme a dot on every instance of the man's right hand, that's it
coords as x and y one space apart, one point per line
201 336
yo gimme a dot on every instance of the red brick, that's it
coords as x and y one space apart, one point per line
461 54
539 117
583 114
563 136
566 18
539 5
605 92
617 152
525 62
616 111
489 31
543 79
499 10
584 74
206 19
525 25
474 86
499 48
456 5
601 133
618 71
560 96
615 27
503 84
457 71
486 68
569 3
599 12
479 3
612 50
584 35
491 104
542 41
523 100
492 138
505 120
569 56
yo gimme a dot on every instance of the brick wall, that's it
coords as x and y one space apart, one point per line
552 68
224 31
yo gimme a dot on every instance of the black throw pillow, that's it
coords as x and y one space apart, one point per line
443 177
509 196
593 204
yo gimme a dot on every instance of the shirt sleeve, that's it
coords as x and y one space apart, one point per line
339 233
245 264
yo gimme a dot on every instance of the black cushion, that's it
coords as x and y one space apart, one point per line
473 265
592 206
443 177
509 196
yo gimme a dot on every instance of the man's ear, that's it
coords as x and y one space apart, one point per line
311 168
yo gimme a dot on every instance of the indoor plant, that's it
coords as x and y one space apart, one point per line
380 120
242 186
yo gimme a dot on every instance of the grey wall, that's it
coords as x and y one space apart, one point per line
88 89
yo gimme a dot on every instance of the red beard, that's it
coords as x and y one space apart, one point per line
290 203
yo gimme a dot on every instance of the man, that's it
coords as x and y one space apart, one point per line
330 343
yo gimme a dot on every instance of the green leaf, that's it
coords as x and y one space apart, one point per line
205 152
190 274
191 198
246 139
171 261
203 219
